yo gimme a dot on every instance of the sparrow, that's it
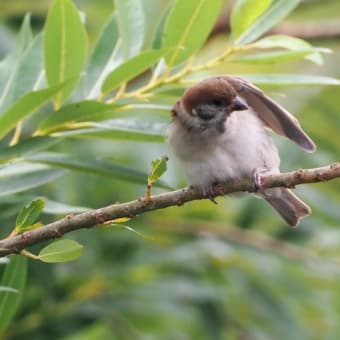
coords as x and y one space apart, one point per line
219 133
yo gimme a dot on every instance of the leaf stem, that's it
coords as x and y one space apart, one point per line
187 69
16 136
28 254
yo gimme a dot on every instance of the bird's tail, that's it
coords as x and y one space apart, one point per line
288 205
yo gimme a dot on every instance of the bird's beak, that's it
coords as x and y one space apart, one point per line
238 105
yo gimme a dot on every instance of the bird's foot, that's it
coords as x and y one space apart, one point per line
208 192
257 176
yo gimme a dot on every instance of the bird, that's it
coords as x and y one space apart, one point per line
219 132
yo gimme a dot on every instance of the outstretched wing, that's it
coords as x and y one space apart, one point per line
271 113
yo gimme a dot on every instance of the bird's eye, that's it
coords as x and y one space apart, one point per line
218 102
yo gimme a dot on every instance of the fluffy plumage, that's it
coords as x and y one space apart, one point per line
218 133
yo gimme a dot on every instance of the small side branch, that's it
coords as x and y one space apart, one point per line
131 209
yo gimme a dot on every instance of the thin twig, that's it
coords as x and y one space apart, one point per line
131 209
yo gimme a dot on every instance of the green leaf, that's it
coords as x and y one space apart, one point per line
187 27
290 43
25 34
275 57
278 11
93 166
25 106
61 251
284 41
10 64
29 72
28 215
290 79
104 58
27 147
19 177
158 11
91 110
159 167
158 35
65 47
131 69
58 208
132 129
131 26
15 203
13 277
24 68
244 13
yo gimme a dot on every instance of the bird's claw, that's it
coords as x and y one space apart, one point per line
208 192
257 176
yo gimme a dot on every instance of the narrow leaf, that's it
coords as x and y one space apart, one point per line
13 277
27 147
278 11
290 43
61 251
58 208
76 112
187 27
30 227
131 69
25 106
244 13
65 47
131 26
92 166
275 57
104 58
21 177
29 214
125 227
159 167
30 69
290 79
284 41
123 129
10 64
24 70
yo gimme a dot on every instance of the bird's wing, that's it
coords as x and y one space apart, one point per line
271 113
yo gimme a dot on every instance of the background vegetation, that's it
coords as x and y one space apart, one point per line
232 271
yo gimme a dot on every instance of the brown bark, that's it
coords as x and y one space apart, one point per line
179 197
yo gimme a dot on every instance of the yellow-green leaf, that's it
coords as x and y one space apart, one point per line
131 69
290 79
159 167
29 214
90 110
61 251
131 26
273 15
244 13
13 277
25 106
291 43
65 47
187 27
276 56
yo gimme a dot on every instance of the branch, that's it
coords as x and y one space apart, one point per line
131 209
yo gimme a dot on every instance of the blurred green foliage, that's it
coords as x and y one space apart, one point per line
232 271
